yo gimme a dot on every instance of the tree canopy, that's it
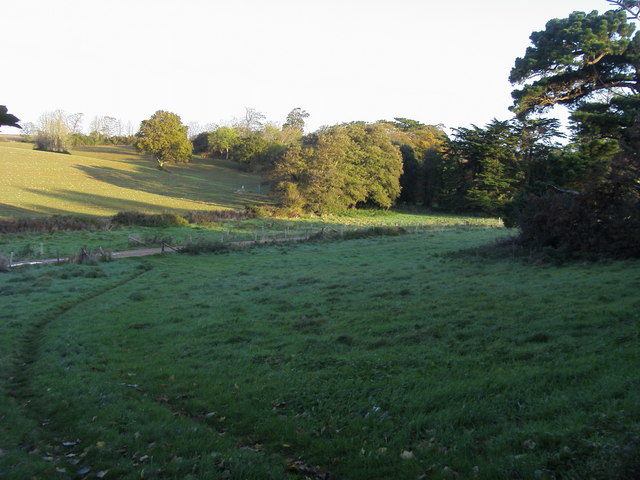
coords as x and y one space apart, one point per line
338 168
295 119
575 57
164 136
223 139
8 119
588 62
52 132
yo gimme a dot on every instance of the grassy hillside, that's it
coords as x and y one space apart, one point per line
107 179
384 357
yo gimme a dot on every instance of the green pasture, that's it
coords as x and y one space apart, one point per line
104 180
420 356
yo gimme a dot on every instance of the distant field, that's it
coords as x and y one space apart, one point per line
107 179
377 358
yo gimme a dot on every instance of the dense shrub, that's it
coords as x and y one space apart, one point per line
204 246
332 233
200 143
149 220
260 211
586 225
52 224
204 217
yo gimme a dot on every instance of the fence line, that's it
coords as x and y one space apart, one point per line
259 235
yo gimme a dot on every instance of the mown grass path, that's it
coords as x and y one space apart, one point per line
30 427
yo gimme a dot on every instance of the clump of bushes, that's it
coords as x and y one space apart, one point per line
71 223
332 233
149 220
587 225
260 211
52 224
173 220
204 217
375 232
204 246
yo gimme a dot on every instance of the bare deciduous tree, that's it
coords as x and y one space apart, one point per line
52 132
74 122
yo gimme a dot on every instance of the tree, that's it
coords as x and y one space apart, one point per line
247 150
482 171
252 122
421 148
8 119
222 140
105 127
74 122
632 7
574 58
200 143
337 168
164 136
52 132
588 62
295 119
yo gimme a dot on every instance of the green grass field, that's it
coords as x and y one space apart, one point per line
412 357
104 180
426 355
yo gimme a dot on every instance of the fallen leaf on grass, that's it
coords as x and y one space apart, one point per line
102 473
317 473
406 454
256 447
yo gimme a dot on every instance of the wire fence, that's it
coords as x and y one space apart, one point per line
295 231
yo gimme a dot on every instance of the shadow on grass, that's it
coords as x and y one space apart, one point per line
7 211
201 183
87 199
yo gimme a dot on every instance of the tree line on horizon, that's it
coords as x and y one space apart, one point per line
582 196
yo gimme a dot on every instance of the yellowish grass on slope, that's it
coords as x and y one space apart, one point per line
107 179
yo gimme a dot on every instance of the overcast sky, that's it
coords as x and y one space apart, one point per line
436 61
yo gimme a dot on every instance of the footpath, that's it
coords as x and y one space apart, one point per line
142 252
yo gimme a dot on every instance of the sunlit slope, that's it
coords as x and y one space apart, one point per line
108 179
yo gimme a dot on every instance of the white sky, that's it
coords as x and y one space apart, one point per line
436 61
